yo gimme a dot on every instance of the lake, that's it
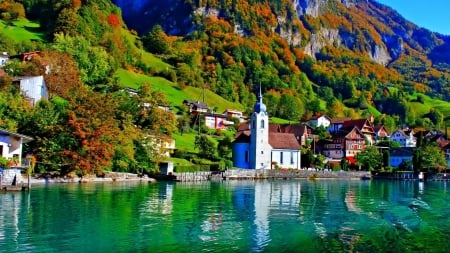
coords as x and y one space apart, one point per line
228 216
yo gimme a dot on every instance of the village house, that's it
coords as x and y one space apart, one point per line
319 120
381 133
196 107
302 132
346 143
365 126
235 114
216 121
33 88
404 137
255 147
336 124
11 146
28 56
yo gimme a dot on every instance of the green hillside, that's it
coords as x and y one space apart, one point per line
173 94
21 30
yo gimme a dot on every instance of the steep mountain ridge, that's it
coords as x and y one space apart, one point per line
359 25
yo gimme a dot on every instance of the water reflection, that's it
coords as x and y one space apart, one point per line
242 216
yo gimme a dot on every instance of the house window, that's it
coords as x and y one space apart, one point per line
292 157
281 157
262 123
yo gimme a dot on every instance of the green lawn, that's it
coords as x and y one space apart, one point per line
21 30
187 141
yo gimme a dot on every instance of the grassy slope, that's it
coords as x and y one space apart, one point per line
175 95
22 30
421 109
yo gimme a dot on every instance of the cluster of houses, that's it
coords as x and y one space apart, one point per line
260 144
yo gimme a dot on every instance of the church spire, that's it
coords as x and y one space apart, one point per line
260 106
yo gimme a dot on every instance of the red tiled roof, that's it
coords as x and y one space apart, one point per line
244 127
338 120
355 122
283 141
274 128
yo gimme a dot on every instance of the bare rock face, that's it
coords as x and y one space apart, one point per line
293 38
308 7
313 7
321 39
380 55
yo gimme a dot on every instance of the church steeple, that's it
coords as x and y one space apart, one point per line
260 106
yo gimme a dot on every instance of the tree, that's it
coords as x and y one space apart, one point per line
156 41
370 158
319 161
290 108
428 157
207 148
225 148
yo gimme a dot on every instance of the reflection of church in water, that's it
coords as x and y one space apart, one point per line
261 201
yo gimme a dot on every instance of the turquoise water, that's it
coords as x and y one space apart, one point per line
228 216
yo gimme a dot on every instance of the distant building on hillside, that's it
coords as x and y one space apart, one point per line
196 106
33 88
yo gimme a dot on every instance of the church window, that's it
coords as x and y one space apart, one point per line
262 123
254 124
262 152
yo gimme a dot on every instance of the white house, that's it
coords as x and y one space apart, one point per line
33 88
320 121
235 114
11 145
404 137
257 149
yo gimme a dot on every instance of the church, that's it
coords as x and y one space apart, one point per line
256 147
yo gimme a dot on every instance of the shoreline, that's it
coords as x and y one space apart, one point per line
39 181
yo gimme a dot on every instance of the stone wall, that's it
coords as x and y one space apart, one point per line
284 174
268 174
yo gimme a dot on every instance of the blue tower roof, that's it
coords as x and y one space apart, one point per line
260 106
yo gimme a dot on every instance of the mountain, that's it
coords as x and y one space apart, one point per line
323 29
